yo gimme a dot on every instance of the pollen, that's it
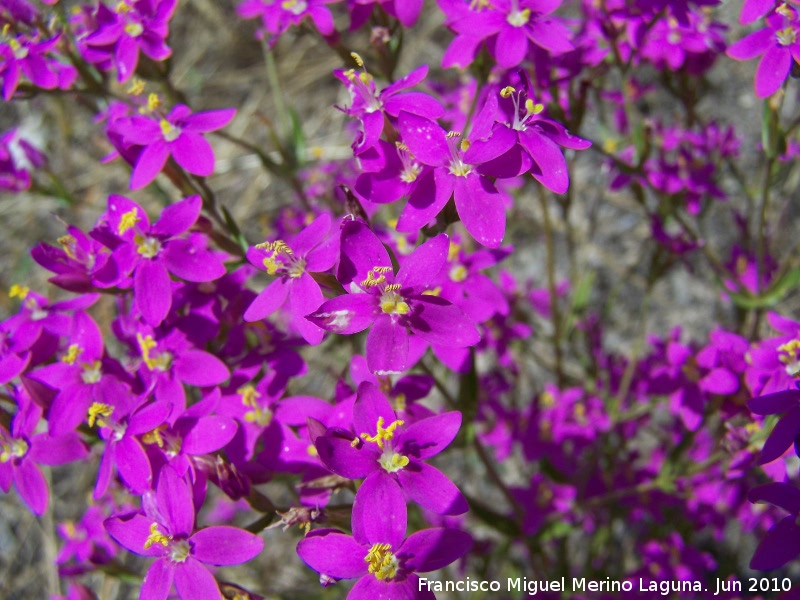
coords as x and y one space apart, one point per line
68 245
392 303
137 87
375 277
533 109
383 435
160 362
507 91
519 18
18 291
134 29
382 562
153 103
97 410
122 7
128 220
148 247
72 354
155 437
258 415
788 355
786 36
156 537
458 273
357 57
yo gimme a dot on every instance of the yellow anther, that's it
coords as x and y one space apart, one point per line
148 247
92 372
784 10
127 221
153 101
464 145
452 251
533 109
453 134
507 91
97 410
122 7
278 247
458 273
434 292
155 437
399 402
546 399
610 146
18 291
393 287
393 304
519 18
161 362
382 563
372 281
68 243
357 58
383 435
579 410
137 87
312 450
402 146
69 529
72 354
259 415
156 537
789 355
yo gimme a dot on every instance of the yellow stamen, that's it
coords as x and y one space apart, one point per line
13 448
533 109
128 220
383 435
382 563
156 537
169 131
155 437
392 462
507 91
357 58
161 362
137 87
72 354
458 273
68 244
99 410
18 291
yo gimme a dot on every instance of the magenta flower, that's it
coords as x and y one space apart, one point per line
390 455
133 26
313 250
778 46
477 200
405 11
782 542
176 134
277 17
384 563
22 450
30 56
166 531
394 305
152 252
786 404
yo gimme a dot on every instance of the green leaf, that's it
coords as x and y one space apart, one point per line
772 295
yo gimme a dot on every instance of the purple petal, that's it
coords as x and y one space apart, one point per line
418 103
549 158
720 381
779 546
387 346
772 70
158 580
339 456
432 489
334 554
428 437
133 465
425 138
31 486
174 499
209 120
193 152
152 290
752 45
197 367
372 588
58 449
782 437
361 251
178 217
270 299
312 235
773 404
784 495
433 549
192 580
209 435
347 314
149 164
131 531
305 296
370 406
186 260
379 511
481 209
551 35
429 196
419 268
224 545
511 45
438 322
